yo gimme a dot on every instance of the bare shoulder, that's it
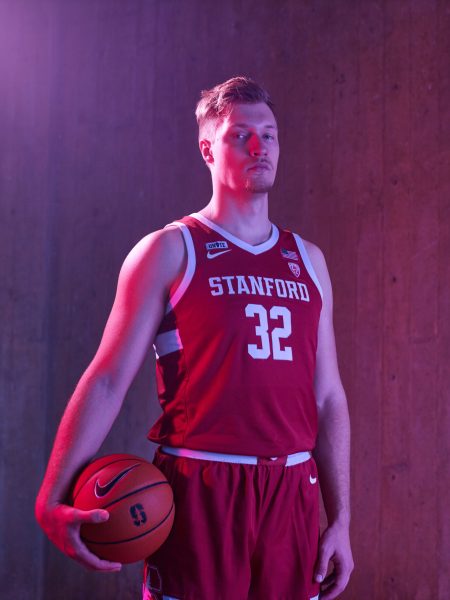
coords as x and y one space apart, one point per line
313 250
319 264
157 256
317 258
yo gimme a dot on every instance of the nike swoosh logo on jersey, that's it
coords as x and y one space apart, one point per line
101 490
312 480
213 255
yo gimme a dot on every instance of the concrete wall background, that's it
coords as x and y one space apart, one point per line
98 147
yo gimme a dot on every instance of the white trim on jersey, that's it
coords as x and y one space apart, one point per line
167 342
307 262
258 249
315 598
190 268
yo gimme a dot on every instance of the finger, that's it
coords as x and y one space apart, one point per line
328 581
82 554
94 563
337 581
334 587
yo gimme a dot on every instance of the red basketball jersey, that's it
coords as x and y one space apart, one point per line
236 348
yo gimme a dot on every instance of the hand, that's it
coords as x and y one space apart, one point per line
334 545
62 523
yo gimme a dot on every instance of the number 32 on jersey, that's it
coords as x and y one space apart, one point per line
262 331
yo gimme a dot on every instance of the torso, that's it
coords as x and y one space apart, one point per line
236 351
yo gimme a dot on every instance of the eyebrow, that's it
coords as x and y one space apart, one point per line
246 125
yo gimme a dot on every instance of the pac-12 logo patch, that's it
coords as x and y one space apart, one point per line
295 269
217 248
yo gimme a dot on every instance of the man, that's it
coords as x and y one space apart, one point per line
240 313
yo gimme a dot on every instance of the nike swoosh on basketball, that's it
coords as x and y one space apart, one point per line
101 490
211 255
312 479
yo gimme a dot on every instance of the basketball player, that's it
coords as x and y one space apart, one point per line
240 315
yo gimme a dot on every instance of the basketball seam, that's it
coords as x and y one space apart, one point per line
146 487
133 538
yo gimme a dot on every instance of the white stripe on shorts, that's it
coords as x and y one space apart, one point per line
147 595
292 459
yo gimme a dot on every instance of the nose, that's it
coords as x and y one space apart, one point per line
257 146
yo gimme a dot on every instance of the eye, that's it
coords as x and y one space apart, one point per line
241 136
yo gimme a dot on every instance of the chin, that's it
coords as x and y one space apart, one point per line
258 188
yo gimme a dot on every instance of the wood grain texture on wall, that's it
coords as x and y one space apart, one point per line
26 221
98 147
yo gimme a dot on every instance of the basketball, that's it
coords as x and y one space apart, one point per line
139 500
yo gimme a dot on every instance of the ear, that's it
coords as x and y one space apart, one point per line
206 151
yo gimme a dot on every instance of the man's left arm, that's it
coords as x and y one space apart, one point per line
332 451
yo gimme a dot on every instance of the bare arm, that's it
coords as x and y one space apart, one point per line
143 285
332 451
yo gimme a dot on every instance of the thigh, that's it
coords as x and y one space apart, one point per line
286 549
206 555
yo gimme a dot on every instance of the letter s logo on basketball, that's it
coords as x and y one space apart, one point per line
101 490
138 515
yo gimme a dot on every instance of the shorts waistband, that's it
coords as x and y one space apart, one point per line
287 460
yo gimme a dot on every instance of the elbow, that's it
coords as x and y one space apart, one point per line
331 399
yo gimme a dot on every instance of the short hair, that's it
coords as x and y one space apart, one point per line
216 104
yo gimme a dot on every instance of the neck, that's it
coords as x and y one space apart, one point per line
246 218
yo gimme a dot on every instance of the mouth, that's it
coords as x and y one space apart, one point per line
262 167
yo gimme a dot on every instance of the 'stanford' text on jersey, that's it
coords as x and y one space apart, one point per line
236 348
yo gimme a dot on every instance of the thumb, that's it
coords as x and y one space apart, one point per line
97 516
322 565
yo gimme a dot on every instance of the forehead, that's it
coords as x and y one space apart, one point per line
254 115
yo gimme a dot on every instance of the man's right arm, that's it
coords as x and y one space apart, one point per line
142 291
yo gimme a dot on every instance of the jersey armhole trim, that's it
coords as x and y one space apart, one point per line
190 267
307 262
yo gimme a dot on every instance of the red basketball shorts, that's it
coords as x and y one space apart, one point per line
241 531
